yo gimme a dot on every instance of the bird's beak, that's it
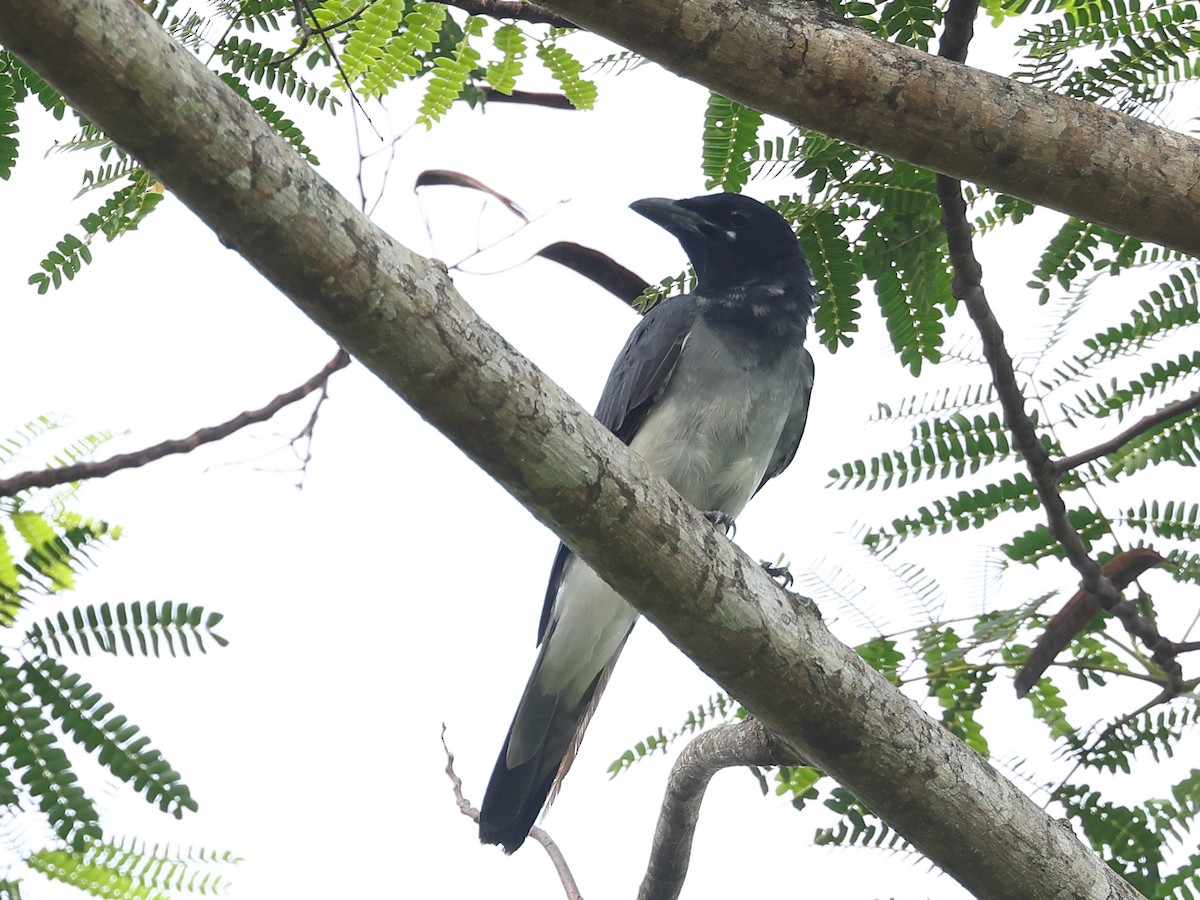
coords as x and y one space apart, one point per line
670 215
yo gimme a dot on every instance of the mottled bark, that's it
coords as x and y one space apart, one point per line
793 59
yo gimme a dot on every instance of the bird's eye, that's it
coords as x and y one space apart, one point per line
737 217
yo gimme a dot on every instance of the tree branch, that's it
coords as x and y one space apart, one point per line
513 9
1168 412
745 743
43 478
967 286
401 317
797 61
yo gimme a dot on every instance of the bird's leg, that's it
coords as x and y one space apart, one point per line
722 520
781 572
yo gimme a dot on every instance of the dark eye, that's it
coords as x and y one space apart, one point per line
737 217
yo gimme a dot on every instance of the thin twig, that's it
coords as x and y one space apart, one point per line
44 478
538 834
305 435
1170 411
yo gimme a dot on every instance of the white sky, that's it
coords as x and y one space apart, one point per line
401 588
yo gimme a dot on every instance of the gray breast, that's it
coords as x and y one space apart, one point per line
716 425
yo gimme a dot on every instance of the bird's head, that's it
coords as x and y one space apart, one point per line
733 241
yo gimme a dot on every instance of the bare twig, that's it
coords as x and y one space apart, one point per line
538 834
1170 411
513 9
44 478
745 743
305 435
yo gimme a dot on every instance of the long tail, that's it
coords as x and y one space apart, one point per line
516 795
584 628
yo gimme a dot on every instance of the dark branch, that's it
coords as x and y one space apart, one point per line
1170 411
538 834
44 478
528 98
513 9
746 743
959 23
967 286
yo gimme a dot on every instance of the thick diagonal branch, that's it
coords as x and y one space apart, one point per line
797 61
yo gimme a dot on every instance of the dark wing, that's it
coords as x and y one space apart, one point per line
793 428
635 382
644 364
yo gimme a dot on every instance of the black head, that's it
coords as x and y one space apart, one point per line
732 241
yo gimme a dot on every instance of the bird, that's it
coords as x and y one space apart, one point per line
712 390
1079 611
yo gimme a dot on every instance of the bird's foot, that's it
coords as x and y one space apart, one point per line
781 572
722 520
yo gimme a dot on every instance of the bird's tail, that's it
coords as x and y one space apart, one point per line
515 796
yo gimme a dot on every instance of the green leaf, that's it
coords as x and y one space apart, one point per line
116 629
1175 440
1038 543
1172 520
941 448
129 869
8 125
1100 402
45 772
410 52
265 66
450 75
369 37
966 509
730 137
48 553
273 116
800 782
882 655
567 71
502 74
836 269
81 713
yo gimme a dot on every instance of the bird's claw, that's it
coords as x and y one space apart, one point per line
781 572
723 520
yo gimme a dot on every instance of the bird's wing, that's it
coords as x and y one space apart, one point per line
793 428
644 365
637 379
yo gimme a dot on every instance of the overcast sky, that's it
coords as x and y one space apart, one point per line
400 589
